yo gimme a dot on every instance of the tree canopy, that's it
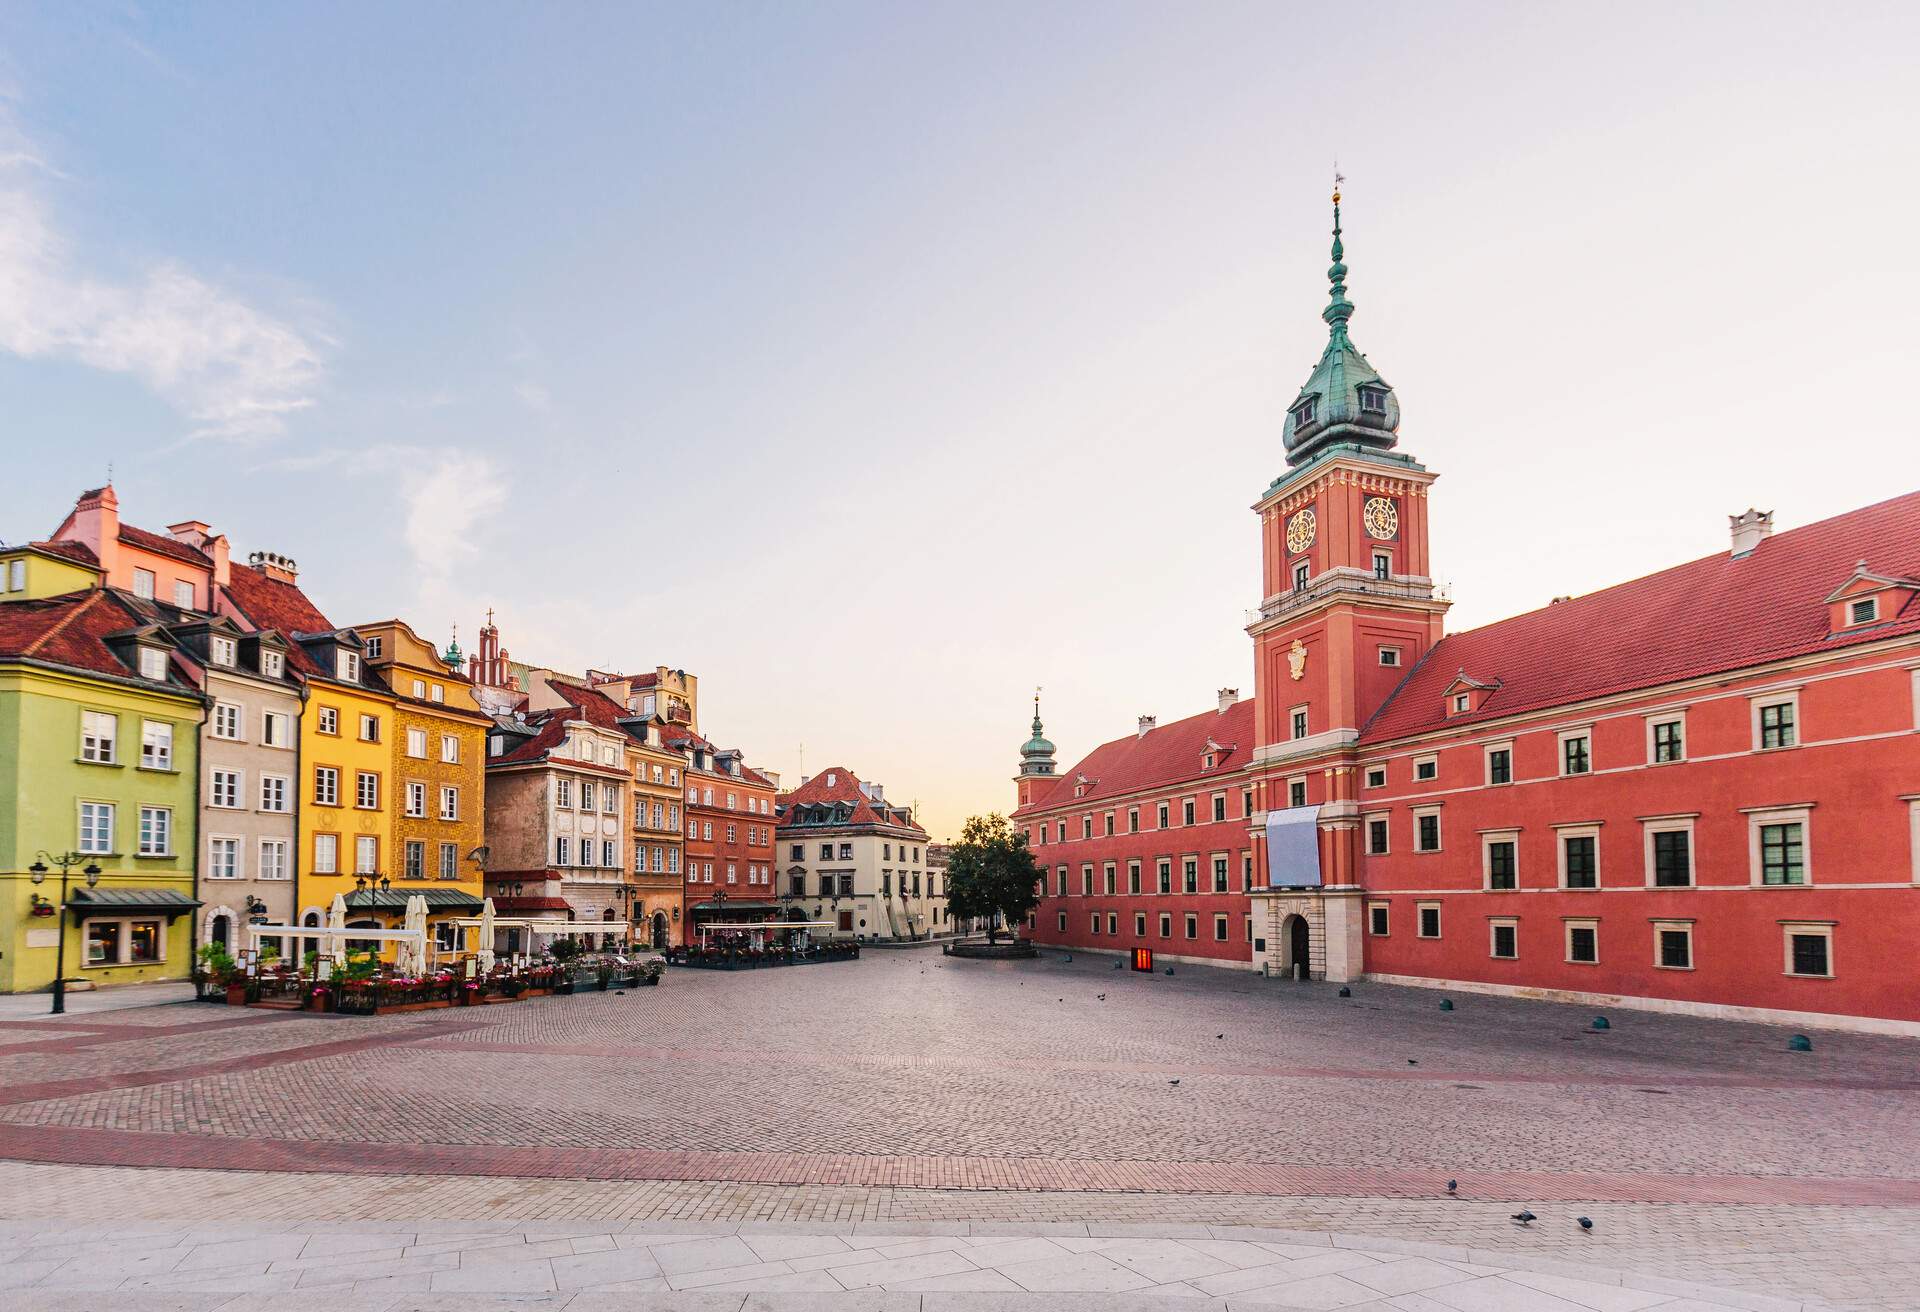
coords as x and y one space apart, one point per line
991 874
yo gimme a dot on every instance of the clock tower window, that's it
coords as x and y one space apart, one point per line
1383 564
1300 577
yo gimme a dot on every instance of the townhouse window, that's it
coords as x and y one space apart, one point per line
1060 881
1062 921
1107 878
1502 861
1133 877
370 729
1426 769
610 853
826 851
416 799
1783 852
1777 723
450 748
183 594
1186 811
326 854
1086 826
1377 835
1246 801
846 850
1109 824
1580 860
124 942
1499 765
449 803
1190 875
276 729
153 664
562 850
1086 881
1060 831
417 744
274 792
1673 945
366 790
273 859
98 734
17 575
226 721
1300 577
223 789
1133 819
1669 741
1429 920
143 582
156 831
1376 776
366 855
1576 753
1093 923
733 832
1583 942
1296 792
326 786
1219 806
1139 924
1426 831
414 860
1505 940
1166 925
1809 950
733 875
1377 919
1220 874
1219 929
374 647
419 689
1162 816
156 745
1165 876
673 860
1300 723
589 795
1383 565
563 793
1193 925
437 693
1672 857
327 720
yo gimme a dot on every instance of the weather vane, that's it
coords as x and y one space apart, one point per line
1338 178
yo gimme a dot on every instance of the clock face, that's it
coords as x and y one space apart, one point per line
1382 520
1300 530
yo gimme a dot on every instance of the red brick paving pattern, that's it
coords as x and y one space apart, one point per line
884 1073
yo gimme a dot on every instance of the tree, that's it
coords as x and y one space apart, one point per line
990 873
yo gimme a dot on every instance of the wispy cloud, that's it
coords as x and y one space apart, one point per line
447 496
235 371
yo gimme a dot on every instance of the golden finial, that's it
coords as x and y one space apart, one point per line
1337 180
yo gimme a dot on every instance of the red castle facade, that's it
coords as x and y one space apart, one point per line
1696 791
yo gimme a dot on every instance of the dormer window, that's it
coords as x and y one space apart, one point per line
225 651
1303 414
1864 611
346 665
1373 400
271 664
1462 702
153 664
373 649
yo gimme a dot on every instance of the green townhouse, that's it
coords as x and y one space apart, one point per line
99 782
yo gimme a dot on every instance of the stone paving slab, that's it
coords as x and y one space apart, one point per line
845 1271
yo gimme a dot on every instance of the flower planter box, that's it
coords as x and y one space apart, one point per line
237 994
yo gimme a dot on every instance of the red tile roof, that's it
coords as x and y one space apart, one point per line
836 783
271 604
75 551
66 630
161 544
1165 755
594 706
1704 617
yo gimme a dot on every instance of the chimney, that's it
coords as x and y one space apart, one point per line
879 792
1228 697
1750 530
1147 723
805 779
96 521
222 556
1557 600
280 569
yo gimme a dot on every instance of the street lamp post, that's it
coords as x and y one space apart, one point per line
38 870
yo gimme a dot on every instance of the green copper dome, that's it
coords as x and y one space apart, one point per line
1036 757
1345 400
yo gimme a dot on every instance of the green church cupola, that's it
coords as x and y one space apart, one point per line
452 657
1037 756
1345 401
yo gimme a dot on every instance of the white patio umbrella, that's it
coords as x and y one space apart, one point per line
411 958
486 936
337 924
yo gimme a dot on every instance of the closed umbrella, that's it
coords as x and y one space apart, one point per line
411 958
486 936
337 923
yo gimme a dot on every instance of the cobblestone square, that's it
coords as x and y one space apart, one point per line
908 1086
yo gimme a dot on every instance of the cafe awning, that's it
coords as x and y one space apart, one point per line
123 901
395 899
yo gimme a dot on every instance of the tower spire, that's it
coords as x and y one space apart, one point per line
1339 308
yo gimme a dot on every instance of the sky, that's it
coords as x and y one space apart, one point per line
882 363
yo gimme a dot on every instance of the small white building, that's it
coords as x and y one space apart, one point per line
853 859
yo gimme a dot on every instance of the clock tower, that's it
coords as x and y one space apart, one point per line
1348 607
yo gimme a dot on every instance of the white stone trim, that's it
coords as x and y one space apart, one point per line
1801 815
1668 824
1788 929
1560 836
1669 1006
1786 697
